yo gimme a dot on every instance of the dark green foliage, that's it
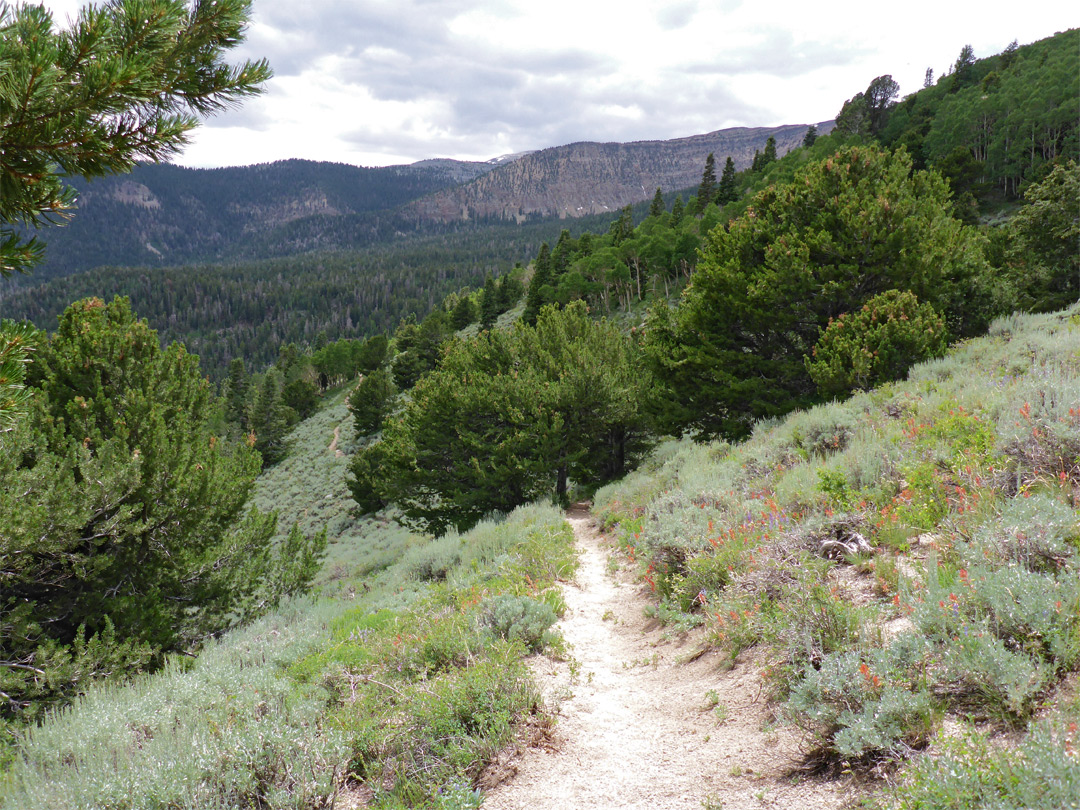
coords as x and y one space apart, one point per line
1045 251
656 207
876 344
373 354
844 230
509 417
301 397
677 209
464 313
268 419
728 190
371 401
121 527
810 136
489 304
707 188
540 289
510 291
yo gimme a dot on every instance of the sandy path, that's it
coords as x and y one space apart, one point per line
635 728
333 448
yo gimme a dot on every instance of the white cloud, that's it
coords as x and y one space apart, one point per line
388 81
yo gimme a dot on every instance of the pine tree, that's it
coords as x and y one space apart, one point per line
370 402
122 524
236 392
769 155
657 206
540 291
727 191
489 304
810 136
464 313
707 189
677 210
267 418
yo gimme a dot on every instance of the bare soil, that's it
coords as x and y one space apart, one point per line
645 721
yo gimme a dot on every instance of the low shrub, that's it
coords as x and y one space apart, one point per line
864 707
967 771
518 618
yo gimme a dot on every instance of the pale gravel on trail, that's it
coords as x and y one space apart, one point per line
635 729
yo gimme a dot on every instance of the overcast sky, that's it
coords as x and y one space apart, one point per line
379 82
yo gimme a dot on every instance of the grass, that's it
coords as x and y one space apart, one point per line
965 482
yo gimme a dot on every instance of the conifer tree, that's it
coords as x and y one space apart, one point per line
236 392
810 137
540 291
122 525
370 402
267 418
707 189
727 191
489 304
126 83
677 210
656 208
464 312
769 155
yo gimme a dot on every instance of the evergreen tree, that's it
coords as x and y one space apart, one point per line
489 304
373 353
656 208
728 190
268 419
509 417
464 313
764 289
810 136
928 80
510 291
677 210
122 525
540 290
880 96
126 83
707 188
769 155
963 69
370 401
236 393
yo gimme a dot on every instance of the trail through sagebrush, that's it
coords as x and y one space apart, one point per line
636 725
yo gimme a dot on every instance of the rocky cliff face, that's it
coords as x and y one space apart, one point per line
591 178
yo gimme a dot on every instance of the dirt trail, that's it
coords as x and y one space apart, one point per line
333 448
635 727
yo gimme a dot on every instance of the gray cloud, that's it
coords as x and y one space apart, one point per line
678 15
776 54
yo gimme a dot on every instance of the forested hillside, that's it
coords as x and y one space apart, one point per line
161 215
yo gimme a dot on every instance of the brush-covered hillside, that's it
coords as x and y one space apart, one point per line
901 568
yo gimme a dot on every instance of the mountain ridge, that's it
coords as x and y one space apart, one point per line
590 177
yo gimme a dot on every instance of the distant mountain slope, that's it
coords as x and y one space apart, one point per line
591 178
168 215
